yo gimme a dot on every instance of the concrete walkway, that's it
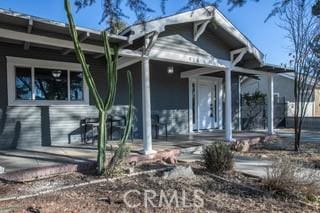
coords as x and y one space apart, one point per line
247 165
251 166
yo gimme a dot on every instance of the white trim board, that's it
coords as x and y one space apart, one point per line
198 15
13 62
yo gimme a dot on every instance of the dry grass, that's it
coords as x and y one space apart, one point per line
291 178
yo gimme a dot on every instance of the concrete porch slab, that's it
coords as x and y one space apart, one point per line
73 155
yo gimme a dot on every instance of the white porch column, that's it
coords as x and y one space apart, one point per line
146 107
228 107
270 104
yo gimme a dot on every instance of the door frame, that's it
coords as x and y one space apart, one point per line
193 102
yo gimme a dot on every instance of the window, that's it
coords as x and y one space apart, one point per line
76 85
51 84
39 82
23 83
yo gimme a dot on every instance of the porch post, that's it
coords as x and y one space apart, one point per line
146 107
228 110
270 105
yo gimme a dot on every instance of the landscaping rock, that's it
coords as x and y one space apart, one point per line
2 170
179 172
241 146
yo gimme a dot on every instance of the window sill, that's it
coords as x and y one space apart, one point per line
48 103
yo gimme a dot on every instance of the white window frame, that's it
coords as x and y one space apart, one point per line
13 62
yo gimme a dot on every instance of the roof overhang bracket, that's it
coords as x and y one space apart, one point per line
199 28
82 38
150 40
237 55
29 30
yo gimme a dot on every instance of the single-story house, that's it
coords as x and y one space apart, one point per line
283 89
186 69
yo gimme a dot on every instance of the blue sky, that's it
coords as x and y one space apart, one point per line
249 19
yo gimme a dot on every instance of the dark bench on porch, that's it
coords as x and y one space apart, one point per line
113 123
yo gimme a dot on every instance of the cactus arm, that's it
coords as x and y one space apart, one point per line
81 58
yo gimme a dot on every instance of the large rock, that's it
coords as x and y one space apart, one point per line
2 170
179 172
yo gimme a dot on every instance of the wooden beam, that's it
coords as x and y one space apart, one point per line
29 30
240 53
198 72
199 28
82 38
249 71
152 41
127 61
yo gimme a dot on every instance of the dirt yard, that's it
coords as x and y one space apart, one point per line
217 195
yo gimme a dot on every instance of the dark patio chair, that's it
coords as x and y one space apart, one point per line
156 125
87 124
118 123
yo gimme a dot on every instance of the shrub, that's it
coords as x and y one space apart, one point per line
218 158
288 177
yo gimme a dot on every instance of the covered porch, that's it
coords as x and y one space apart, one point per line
213 93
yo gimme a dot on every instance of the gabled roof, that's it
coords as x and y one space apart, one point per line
209 13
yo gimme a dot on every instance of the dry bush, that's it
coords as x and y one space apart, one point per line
218 157
288 177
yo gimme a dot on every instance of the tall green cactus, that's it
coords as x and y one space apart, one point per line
103 106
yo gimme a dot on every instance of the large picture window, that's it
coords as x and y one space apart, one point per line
39 82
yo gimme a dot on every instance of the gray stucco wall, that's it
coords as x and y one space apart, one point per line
24 127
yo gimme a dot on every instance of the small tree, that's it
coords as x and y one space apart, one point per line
103 105
303 30
253 103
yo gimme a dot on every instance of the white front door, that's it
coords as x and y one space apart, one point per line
205 118
205 103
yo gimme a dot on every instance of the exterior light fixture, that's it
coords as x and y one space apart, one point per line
56 73
170 70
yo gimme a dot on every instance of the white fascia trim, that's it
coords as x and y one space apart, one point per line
198 15
56 42
13 62
231 29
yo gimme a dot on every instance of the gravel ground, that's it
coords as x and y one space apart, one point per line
309 154
217 195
